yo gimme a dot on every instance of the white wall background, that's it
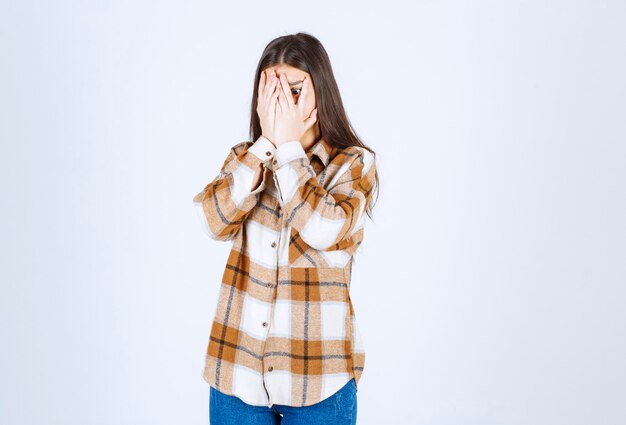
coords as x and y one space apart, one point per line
490 288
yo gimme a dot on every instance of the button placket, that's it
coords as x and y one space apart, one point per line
274 245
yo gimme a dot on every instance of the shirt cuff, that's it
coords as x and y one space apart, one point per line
289 151
262 148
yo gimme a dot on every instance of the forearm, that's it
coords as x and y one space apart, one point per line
224 204
326 217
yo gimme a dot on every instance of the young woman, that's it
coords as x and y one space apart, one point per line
284 345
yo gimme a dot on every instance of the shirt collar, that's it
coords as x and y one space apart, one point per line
322 150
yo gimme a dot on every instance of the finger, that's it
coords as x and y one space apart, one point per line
282 101
272 87
262 89
272 102
262 81
286 90
309 122
282 105
304 93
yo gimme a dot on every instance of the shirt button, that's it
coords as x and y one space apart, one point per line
270 368
273 244
268 153
264 324
275 162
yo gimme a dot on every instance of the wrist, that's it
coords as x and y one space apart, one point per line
284 140
263 148
288 151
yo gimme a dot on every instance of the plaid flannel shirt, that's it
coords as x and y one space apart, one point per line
284 329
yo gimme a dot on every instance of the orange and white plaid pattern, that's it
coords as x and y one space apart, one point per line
285 330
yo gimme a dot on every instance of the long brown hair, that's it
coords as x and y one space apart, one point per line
306 53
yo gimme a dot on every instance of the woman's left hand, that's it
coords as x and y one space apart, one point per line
292 120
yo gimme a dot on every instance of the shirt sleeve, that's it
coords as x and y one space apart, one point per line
326 219
225 203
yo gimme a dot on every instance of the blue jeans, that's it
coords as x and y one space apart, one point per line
338 409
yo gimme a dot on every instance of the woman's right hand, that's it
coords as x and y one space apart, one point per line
266 103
